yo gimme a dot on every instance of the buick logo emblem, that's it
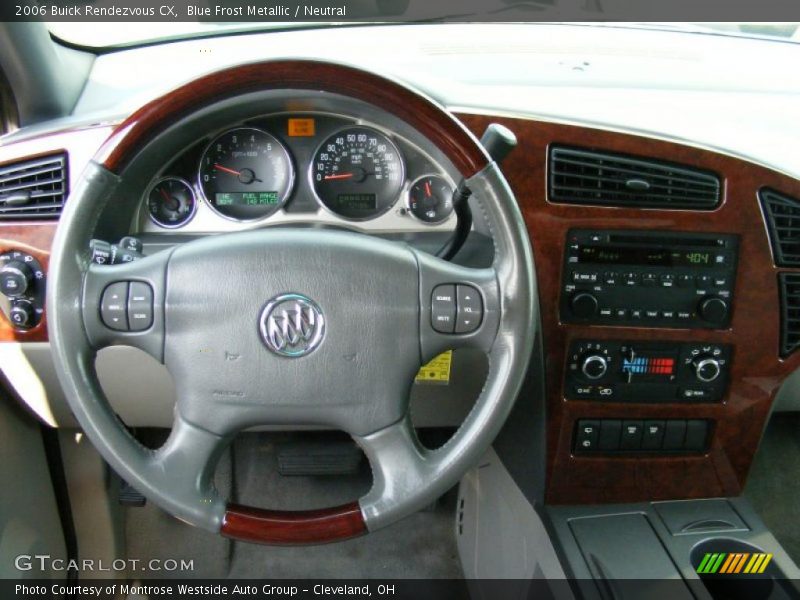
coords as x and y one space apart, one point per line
292 325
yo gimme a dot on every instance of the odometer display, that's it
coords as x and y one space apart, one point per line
246 174
357 173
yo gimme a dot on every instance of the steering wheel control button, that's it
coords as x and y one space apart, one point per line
292 325
469 309
443 308
15 278
113 306
140 306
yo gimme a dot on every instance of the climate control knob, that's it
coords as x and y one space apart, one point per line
713 309
594 366
706 368
583 305
22 314
15 278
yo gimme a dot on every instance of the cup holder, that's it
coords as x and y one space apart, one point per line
771 584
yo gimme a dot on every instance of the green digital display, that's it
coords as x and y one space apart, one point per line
357 201
661 257
247 198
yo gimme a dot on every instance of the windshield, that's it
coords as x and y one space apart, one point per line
127 34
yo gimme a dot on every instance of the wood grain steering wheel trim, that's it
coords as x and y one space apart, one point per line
426 116
288 528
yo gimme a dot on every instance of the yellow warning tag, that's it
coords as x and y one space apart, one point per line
436 371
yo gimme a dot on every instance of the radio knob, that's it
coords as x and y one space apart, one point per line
583 305
706 368
15 278
713 309
594 366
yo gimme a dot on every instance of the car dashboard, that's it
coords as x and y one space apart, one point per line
668 275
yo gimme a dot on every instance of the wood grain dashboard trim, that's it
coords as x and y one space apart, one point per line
757 370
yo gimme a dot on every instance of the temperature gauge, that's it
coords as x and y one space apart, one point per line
171 202
430 199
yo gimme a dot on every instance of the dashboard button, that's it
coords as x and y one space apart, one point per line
648 280
610 431
694 393
703 281
653 435
443 308
113 306
140 306
674 435
696 432
631 438
469 309
588 435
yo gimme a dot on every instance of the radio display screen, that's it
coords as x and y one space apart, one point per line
622 255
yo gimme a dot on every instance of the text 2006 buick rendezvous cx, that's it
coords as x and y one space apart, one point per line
226 256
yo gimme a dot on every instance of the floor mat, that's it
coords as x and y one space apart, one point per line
773 486
421 546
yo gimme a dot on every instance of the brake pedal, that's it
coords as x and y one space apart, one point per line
319 458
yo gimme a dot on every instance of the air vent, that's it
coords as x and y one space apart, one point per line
783 223
33 189
579 176
790 312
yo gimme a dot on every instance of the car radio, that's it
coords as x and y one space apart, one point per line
645 371
649 278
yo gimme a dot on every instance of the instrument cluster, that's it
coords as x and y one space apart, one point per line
306 166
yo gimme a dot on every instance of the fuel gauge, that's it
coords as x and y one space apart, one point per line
430 199
171 202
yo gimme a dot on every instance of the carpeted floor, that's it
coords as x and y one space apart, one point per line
773 486
421 546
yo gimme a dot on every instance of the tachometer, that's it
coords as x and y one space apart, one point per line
357 173
246 174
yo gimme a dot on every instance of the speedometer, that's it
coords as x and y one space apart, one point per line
246 174
357 173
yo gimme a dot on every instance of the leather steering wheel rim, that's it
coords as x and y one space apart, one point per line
406 477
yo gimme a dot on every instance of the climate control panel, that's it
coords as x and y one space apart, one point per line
627 371
22 282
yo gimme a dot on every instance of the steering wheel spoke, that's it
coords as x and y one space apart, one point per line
124 304
181 473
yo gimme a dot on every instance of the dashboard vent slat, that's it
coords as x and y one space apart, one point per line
790 312
579 176
782 214
34 188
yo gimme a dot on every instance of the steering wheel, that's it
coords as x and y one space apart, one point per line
291 327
